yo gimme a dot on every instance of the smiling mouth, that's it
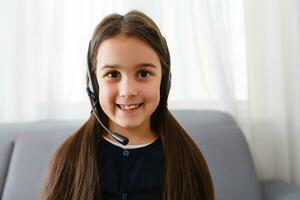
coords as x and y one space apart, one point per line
129 107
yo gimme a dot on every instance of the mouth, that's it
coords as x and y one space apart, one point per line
130 107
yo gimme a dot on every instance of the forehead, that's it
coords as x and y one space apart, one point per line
124 51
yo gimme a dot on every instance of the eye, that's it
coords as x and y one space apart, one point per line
144 74
112 74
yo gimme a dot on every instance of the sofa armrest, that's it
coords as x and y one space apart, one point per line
279 190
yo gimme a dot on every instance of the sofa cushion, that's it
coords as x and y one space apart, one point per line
276 189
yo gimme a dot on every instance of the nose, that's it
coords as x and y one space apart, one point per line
128 88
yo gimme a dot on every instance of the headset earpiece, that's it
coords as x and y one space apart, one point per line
92 87
166 80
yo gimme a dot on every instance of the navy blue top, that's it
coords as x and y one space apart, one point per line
132 174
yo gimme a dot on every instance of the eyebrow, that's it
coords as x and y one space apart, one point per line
138 66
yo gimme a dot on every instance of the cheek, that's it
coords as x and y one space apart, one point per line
106 96
152 93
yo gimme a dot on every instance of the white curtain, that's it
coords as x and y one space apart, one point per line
273 110
235 56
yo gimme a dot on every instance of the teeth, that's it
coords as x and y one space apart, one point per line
129 107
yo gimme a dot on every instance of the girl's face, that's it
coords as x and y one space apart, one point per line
129 77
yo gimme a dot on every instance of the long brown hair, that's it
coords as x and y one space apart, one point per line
74 171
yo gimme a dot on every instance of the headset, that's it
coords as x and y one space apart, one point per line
93 91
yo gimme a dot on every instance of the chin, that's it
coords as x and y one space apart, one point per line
129 125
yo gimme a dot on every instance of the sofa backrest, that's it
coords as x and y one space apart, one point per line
25 150
226 151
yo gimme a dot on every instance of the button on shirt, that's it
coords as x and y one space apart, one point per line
131 172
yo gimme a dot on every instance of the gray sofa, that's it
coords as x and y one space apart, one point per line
25 149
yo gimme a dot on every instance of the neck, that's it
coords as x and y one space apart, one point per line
137 135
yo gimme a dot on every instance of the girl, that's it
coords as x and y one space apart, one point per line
128 84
